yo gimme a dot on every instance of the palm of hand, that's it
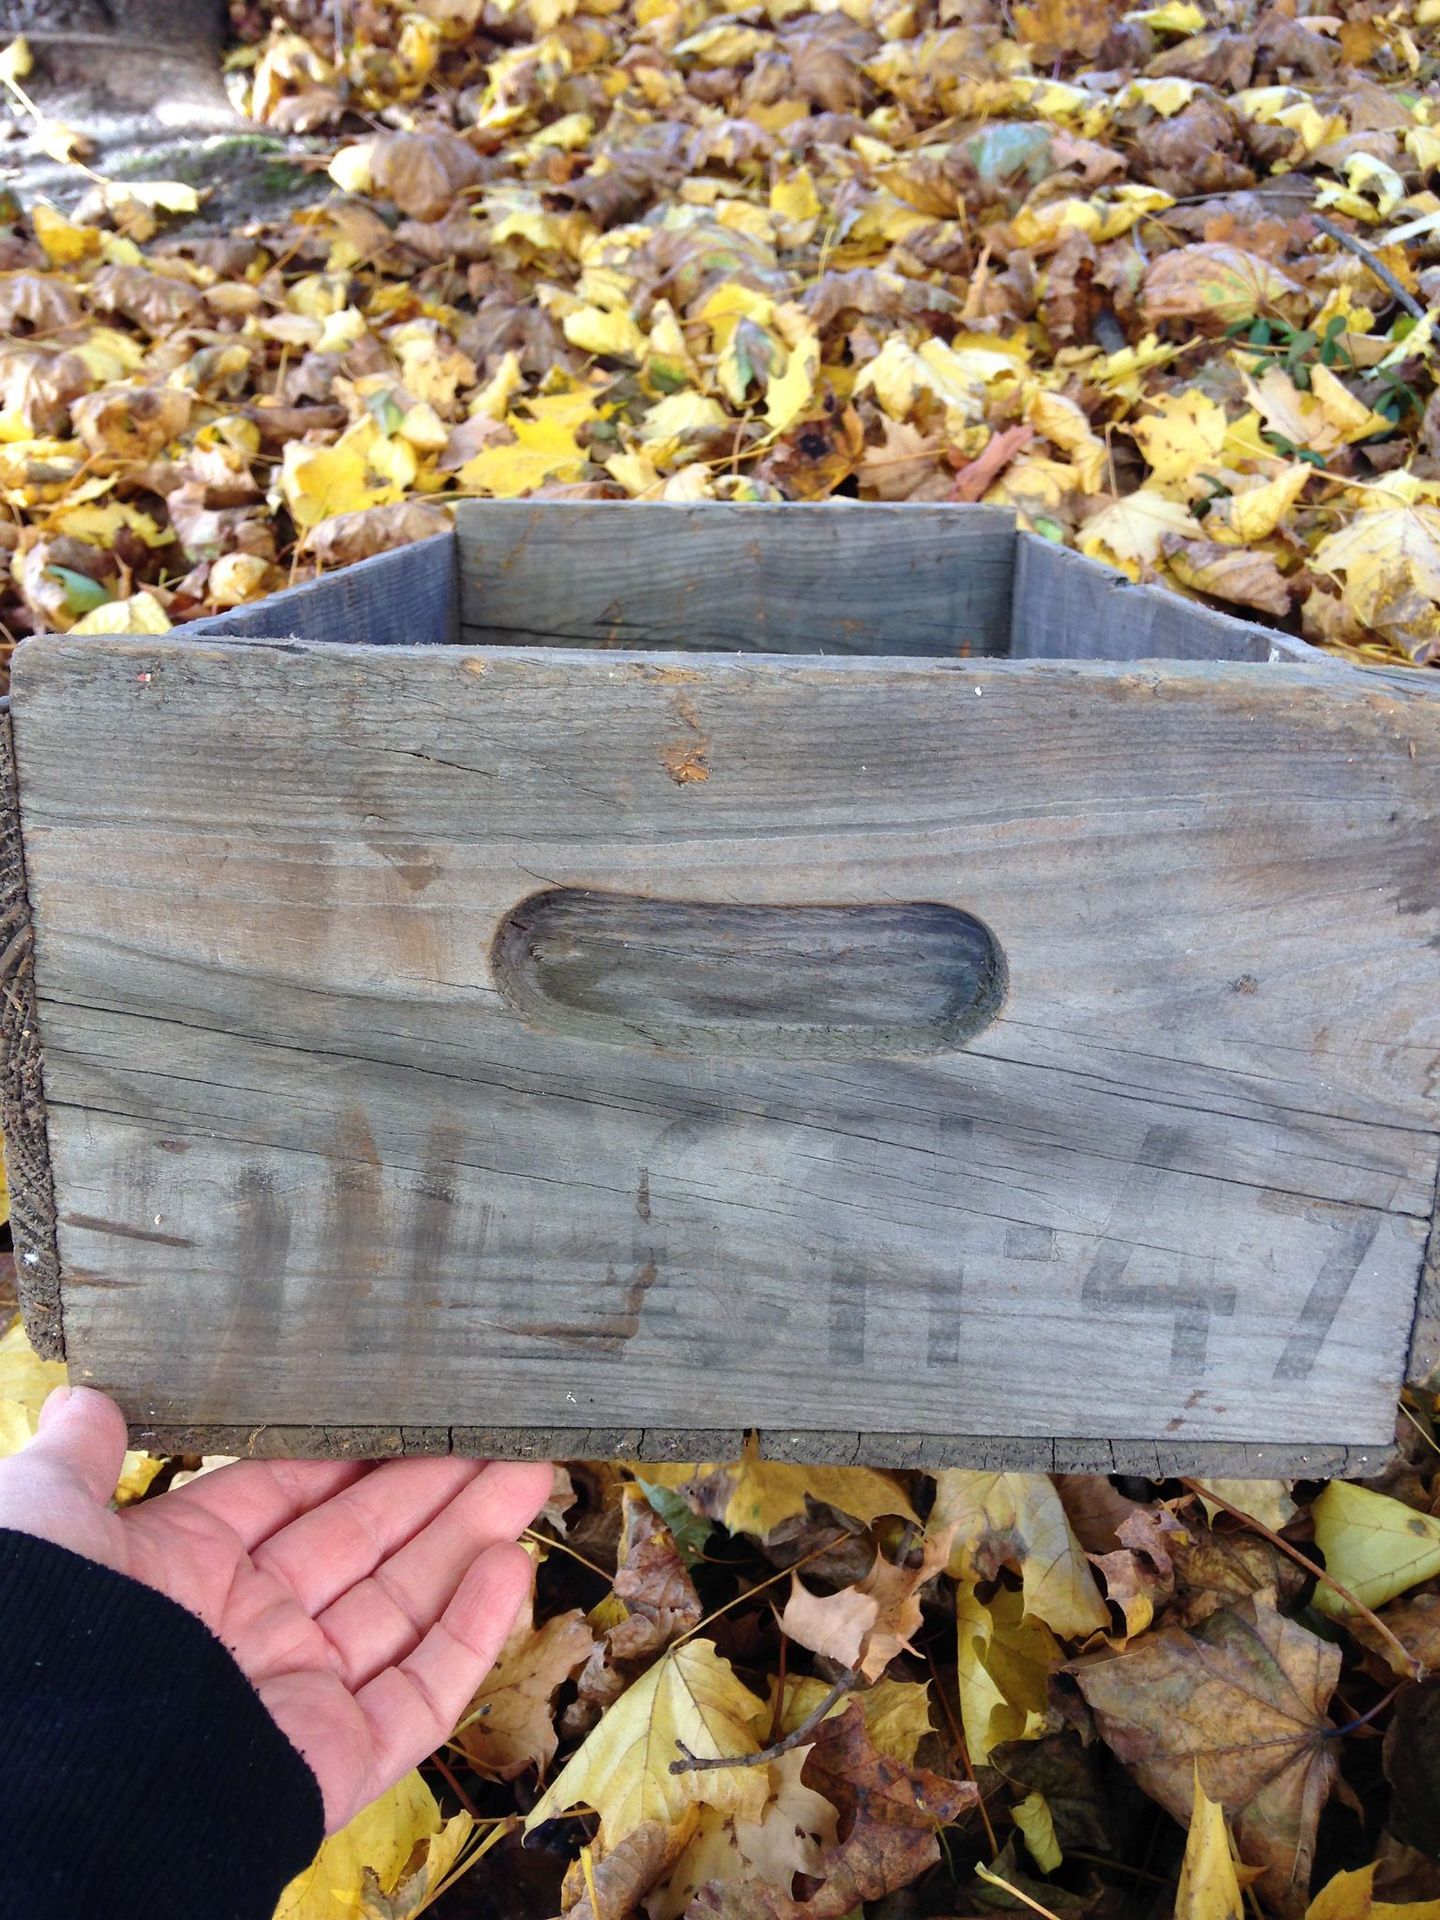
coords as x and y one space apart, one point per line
365 1604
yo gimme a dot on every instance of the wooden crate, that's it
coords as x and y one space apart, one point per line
627 975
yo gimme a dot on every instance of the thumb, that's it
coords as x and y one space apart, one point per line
83 1432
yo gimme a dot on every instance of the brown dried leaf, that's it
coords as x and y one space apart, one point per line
1238 574
508 1725
43 303
891 1815
1242 1699
152 300
866 1626
131 424
347 537
424 173
1214 286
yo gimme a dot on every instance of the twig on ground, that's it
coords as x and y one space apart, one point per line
689 1763
1417 1667
1378 267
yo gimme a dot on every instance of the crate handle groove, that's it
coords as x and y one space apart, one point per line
811 982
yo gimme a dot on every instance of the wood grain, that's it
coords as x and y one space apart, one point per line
1069 607
313 1170
403 598
832 578
784 983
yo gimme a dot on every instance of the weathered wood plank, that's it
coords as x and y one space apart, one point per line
407 597
312 1166
1069 607
984 1452
833 578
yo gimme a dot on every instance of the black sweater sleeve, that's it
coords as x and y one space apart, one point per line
140 1775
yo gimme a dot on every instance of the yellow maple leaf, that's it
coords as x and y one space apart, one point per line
1351 1896
1181 435
614 334
363 468
896 1712
379 1843
1127 534
1209 1886
541 450
793 196
140 613
1004 1664
63 242
1254 511
1016 1520
786 1837
789 394
1065 426
755 1496
1327 417
1375 1546
690 1698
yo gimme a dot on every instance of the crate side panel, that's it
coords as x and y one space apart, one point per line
834 579
403 598
1069 607
314 1169
22 1092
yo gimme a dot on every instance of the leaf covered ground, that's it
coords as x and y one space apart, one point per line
1163 281
761 1691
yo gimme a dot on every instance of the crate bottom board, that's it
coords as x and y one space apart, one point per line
1153 1460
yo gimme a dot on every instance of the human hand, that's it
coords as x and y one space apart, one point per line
364 1603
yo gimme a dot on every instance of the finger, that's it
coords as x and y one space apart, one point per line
258 1497
411 1708
323 1553
83 1433
383 1618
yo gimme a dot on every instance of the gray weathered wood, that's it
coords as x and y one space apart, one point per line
313 1169
1069 607
403 598
833 578
769 982
984 1452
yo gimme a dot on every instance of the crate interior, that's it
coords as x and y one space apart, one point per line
939 582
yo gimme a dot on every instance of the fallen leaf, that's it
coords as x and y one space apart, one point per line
1374 1546
1216 285
865 1626
897 1712
1242 1699
1032 1816
786 1837
379 1842
1016 1520
1351 1896
690 1699
1129 533
756 1496
890 1816
1237 574
346 537
1005 1661
1209 1888
625 1875
509 1725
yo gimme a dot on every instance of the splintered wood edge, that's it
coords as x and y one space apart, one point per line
1152 1459
1422 1366
22 1097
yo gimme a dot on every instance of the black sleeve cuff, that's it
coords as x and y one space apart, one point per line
140 1774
